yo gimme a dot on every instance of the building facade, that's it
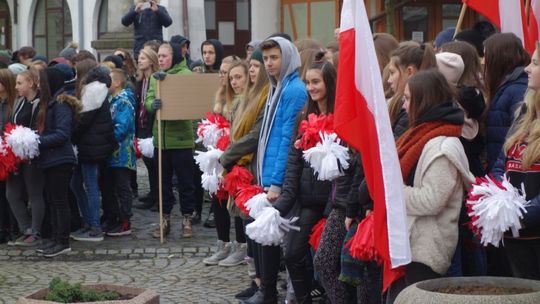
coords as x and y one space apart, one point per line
49 25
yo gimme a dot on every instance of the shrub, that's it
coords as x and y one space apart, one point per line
64 292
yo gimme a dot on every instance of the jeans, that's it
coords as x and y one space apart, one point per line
179 162
84 184
56 188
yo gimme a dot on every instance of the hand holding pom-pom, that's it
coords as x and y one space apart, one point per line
23 141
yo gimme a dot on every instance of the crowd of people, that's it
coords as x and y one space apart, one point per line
460 108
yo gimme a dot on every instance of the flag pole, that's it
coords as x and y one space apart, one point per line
460 20
160 169
527 10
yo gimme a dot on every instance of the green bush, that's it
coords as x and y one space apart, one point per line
64 292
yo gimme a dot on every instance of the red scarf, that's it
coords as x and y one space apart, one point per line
412 142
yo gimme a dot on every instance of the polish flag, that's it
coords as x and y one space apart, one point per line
362 120
532 22
508 16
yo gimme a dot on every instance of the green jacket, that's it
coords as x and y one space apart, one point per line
176 134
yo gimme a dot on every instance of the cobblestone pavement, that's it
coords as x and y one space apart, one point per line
174 269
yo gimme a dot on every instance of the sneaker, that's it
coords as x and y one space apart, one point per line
222 252
91 235
237 256
79 231
46 244
55 250
248 292
187 229
120 229
210 221
196 218
29 241
108 224
252 272
166 228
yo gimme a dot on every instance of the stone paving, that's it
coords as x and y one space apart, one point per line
174 269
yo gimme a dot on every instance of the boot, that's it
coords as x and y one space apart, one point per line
187 230
237 256
145 204
262 296
166 227
223 250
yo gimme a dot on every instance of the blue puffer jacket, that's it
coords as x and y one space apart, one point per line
147 25
293 98
123 116
55 145
501 112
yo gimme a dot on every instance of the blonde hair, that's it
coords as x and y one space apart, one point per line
221 95
229 91
154 63
32 76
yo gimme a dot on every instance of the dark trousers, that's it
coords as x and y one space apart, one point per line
270 259
151 167
179 162
254 251
199 191
116 194
56 188
133 182
297 254
414 272
8 223
524 257
223 222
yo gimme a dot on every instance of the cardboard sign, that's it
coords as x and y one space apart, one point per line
188 96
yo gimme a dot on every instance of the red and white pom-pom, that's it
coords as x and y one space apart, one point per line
8 161
146 146
244 194
256 204
328 158
211 129
495 207
362 245
209 161
238 178
269 227
211 182
316 233
137 148
310 128
23 141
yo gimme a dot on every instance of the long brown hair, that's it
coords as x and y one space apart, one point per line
307 57
82 69
409 53
7 79
329 76
129 63
503 53
44 98
473 69
230 95
428 89
221 99
385 44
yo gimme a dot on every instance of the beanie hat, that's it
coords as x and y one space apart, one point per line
17 68
67 70
56 79
474 38
100 73
5 57
257 55
451 66
70 51
116 60
40 58
444 36
57 60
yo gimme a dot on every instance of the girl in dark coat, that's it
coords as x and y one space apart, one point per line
55 124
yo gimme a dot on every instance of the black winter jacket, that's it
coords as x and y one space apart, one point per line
301 185
148 25
94 135
55 142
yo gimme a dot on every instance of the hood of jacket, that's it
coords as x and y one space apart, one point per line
177 68
73 102
93 95
290 59
218 47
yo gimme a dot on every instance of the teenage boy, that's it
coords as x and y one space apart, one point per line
285 100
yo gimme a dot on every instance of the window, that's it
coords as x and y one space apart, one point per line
52 27
415 23
310 18
103 24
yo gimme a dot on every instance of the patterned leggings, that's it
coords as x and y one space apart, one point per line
328 260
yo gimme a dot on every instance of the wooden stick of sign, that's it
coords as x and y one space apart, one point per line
460 20
159 77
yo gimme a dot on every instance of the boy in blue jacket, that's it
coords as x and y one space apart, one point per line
285 100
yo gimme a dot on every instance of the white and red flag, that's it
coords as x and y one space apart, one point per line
508 16
361 119
532 22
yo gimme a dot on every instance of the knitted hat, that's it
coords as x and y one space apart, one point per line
17 68
117 60
67 70
257 55
5 57
100 73
473 37
56 79
451 66
40 58
58 60
444 36
70 51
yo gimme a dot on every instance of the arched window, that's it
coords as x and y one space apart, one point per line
5 26
52 27
103 23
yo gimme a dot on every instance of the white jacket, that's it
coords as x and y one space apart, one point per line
433 204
